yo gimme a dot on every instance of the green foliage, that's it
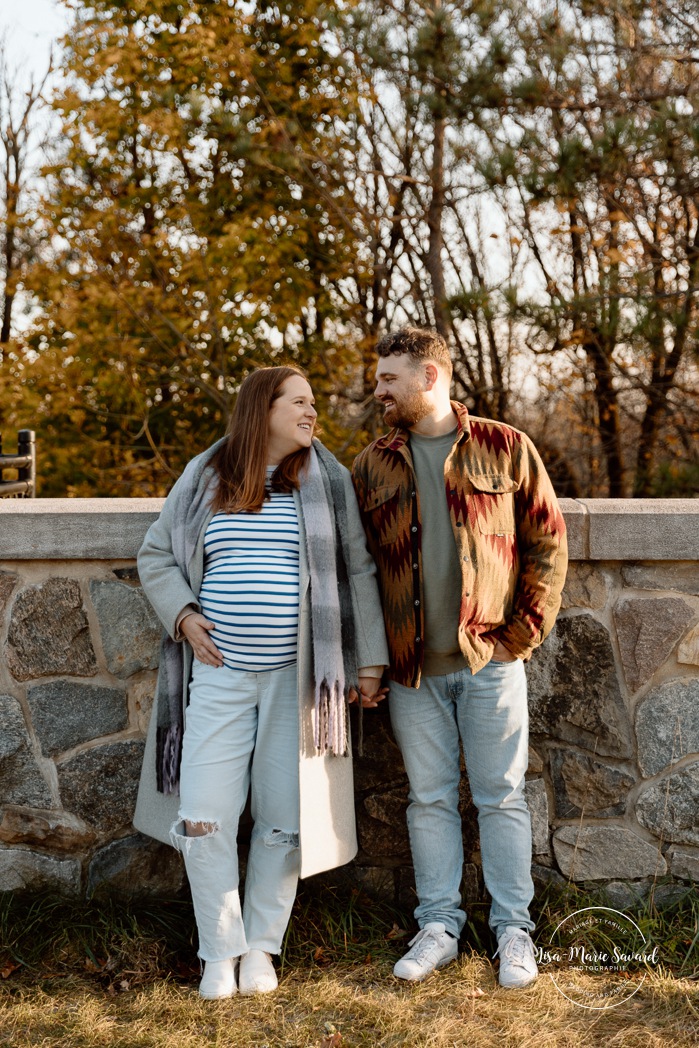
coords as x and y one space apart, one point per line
191 231
242 184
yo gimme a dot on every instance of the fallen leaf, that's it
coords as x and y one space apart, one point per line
7 971
396 933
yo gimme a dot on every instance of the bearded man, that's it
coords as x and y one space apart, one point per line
470 545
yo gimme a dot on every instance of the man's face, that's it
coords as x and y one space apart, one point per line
400 387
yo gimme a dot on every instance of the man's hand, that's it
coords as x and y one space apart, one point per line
371 692
195 628
501 654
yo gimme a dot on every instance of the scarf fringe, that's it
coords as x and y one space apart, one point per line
169 750
330 719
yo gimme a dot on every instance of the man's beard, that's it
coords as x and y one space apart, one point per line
407 411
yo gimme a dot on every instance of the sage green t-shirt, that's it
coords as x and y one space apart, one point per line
441 571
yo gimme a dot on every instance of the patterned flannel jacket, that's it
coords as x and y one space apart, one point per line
509 532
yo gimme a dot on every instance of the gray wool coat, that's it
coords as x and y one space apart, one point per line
327 836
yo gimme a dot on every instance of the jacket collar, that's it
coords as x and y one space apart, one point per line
397 438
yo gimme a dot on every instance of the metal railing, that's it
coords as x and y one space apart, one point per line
25 464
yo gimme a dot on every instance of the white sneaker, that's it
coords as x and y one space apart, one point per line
257 974
218 979
517 963
431 948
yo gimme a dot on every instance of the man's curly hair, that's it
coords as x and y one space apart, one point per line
418 344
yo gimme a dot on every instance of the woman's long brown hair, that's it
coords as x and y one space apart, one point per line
241 462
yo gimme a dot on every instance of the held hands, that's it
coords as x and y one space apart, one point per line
195 628
371 692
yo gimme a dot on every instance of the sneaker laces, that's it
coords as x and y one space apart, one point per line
421 945
516 949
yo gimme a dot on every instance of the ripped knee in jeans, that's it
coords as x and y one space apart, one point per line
184 832
281 839
199 829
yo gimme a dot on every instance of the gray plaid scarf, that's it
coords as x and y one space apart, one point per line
323 508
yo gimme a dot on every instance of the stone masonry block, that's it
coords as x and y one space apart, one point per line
21 781
57 830
587 786
65 713
667 725
669 808
648 629
100 785
593 853
574 694
682 576
129 628
587 586
21 869
49 632
688 651
136 866
684 863
8 581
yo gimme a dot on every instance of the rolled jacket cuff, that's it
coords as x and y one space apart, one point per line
371 671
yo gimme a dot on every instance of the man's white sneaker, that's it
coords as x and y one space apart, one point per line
257 974
431 948
517 963
218 979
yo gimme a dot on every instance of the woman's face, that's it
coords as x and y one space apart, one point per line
291 420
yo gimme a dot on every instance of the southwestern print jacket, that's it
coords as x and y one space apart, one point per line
509 532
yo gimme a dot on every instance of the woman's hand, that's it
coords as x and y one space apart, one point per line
195 628
371 692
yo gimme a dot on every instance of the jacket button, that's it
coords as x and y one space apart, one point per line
417 603
418 639
459 524
414 528
412 494
465 560
415 565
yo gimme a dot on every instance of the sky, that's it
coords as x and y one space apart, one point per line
29 28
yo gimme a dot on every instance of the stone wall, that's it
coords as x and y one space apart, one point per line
613 782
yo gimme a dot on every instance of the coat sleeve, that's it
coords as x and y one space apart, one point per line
372 649
163 583
543 550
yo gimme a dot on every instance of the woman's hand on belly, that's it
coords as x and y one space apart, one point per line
195 628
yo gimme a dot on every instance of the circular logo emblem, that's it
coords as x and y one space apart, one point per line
603 944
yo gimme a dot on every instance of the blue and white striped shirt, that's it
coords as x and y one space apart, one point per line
251 585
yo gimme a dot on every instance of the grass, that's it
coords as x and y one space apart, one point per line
115 975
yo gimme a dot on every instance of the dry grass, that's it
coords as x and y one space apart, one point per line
339 1007
107 975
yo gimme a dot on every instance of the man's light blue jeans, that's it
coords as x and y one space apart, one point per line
488 710
241 732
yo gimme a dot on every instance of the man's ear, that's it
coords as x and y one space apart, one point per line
431 375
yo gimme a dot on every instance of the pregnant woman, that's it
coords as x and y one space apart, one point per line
258 570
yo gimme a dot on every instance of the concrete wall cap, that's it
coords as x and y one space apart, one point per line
643 529
113 529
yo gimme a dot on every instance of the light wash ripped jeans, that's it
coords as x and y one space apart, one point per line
489 711
241 733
